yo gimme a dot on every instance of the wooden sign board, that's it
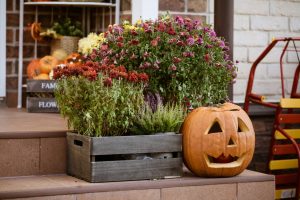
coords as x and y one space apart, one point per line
41 105
41 85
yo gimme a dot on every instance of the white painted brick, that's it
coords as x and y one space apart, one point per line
273 98
273 70
238 98
250 38
240 54
269 23
244 70
292 56
289 84
272 57
267 87
285 8
277 34
260 7
239 88
241 22
295 24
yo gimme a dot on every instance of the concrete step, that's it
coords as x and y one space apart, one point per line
31 143
248 185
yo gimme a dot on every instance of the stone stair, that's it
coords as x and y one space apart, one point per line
33 166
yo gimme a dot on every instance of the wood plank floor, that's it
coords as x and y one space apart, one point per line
13 120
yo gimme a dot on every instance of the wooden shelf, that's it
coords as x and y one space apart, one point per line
69 3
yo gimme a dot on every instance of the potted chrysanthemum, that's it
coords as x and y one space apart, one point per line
172 63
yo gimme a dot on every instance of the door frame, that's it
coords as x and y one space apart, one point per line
2 48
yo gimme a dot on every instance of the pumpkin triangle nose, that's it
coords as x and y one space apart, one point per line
231 142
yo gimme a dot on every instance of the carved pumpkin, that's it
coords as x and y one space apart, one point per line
33 68
218 141
42 76
47 63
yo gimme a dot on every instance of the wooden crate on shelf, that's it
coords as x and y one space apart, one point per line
40 96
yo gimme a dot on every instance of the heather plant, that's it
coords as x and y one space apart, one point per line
166 118
184 59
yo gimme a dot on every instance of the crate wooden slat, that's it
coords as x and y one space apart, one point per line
133 144
83 154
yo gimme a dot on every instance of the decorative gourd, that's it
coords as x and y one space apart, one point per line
33 68
218 141
47 63
60 55
35 31
73 60
42 76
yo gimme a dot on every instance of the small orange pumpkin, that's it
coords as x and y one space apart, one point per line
47 63
218 141
42 76
74 59
33 68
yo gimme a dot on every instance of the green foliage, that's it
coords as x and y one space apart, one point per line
67 27
94 109
166 118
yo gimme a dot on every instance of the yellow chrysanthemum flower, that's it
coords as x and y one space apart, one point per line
92 41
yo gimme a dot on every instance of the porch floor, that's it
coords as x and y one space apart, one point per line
19 122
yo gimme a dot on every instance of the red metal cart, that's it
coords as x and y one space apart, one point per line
259 99
285 141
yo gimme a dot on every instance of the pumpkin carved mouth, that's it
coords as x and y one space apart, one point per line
224 161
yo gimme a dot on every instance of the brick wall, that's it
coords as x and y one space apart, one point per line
191 8
256 23
46 15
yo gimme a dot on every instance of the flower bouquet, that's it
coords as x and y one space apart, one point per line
171 64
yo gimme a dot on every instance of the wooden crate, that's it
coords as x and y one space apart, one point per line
37 100
120 158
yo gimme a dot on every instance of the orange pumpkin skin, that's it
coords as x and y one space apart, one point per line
42 76
47 63
218 152
33 68
73 60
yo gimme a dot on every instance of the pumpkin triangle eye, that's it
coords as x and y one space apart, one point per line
239 129
242 126
215 128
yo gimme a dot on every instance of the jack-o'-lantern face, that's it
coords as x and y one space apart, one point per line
218 141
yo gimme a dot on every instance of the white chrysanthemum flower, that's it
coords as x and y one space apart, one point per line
92 41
